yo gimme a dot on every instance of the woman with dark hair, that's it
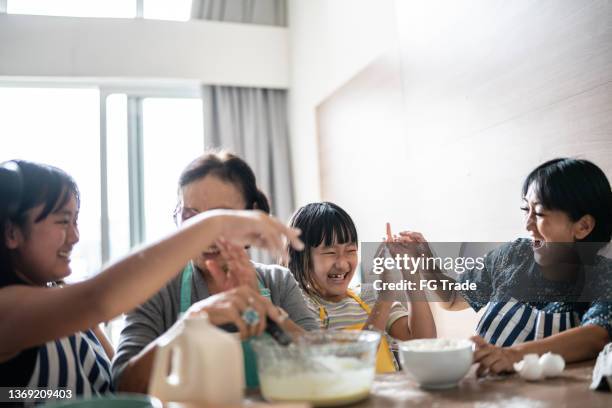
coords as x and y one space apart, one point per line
324 270
46 340
550 293
213 180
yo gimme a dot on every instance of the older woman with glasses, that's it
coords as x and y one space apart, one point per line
221 281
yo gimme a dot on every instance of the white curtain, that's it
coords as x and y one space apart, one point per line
252 123
265 12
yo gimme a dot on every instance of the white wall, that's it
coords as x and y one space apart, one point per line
205 52
330 41
491 88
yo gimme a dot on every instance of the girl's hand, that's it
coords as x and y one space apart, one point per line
254 227
410 243
228 308
494 359
240 270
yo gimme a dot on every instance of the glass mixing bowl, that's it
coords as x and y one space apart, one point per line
324 368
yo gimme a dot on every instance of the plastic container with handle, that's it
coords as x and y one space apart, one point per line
201 364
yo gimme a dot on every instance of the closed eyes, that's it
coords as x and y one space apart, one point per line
526 210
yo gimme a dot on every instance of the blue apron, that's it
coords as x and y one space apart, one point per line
250 363
510 322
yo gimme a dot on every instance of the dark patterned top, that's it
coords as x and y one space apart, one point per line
511 273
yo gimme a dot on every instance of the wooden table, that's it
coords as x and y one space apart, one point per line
396 390
569 390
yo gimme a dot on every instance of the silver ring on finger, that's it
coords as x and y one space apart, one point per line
250 316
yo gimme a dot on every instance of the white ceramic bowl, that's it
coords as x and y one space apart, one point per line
436 363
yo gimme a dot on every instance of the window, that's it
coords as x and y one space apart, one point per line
178 10
117 175
172 137
60 126
145 163
149 139
74 8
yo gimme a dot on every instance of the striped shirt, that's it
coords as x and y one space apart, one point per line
522 305
77 362
348 312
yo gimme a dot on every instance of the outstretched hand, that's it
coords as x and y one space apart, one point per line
238 268
254 227
411 243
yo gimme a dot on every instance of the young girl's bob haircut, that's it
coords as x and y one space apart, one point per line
321 223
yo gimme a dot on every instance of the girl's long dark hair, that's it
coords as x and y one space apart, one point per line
321 223
23 186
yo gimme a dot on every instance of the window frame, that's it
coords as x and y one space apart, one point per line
135 95
139 12
136 92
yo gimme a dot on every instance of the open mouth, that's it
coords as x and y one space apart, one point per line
210 252
64 255
337 277
538 243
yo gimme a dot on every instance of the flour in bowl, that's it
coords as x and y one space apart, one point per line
339 381
435 345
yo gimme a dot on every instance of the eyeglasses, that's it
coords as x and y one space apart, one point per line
182 214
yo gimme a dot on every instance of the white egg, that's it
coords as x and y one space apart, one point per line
552 364
529 368
518 366
531 372
531 358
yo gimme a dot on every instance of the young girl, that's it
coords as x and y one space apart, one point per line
46 341
324 270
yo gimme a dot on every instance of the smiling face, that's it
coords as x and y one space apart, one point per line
326 265
205 194
548 226
333 268
41 250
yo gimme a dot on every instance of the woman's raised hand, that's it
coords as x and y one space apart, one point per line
238 267
254 227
